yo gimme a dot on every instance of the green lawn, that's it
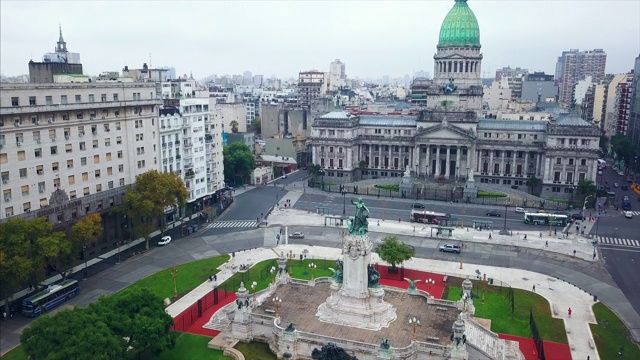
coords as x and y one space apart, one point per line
255 350
491 194
190 346
189 276
611 335
497 308
15 354
260 273
300 268
395 188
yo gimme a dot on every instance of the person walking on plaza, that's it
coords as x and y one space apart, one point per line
534 288
569 312
489 236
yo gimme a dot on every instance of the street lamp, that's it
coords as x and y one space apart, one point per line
119 242
467 178
344 201
84 255
504 230
254 287
277 302
430 281
312 266
273 274
414 325
584 206
174 272
457 172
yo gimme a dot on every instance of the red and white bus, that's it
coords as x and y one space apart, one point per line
427 217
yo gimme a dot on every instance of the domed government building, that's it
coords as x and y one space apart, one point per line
444 139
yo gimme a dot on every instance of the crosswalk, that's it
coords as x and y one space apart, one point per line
618 241
635 213
233 224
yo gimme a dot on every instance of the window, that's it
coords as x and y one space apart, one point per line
98 187
103 98
583 162
85 191
78 99
119 140
15 101
95 144
109 156
48 100
558 161
120 168
97 173
68 148
85 176
110 184
40 170
54 150
119 154
109 170
63 99
83 146
72 194
55 166
25 190
32 100
38 152
570 161
115 97
79 115
91 98
83 161
118 127
72 179
69 164
96 159
23 172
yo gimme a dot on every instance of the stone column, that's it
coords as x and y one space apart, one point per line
526 164
472 160
416 159
446 166
458 165
502 169
390 158
428 160
437 169
490 161
371 161
547 169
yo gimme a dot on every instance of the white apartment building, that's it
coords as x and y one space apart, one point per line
251 111
227 113
67 150
195 117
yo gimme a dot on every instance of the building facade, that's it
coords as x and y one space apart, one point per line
622 104
633 134
59 62
539 86
67 150
447 141
575 65
311 85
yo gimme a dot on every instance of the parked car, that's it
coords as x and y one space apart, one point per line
417 206
577 216
615 185
450 248
624 187
494 213
164 241
296 235
628 214
520 210
599 172
621 173
514 186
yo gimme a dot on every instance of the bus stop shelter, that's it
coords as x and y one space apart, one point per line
443 230
451 222
334 220
323 209
482 225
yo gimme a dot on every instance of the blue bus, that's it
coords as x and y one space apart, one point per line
50 297
626 204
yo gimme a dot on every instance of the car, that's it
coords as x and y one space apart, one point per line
165 240
520 210
628 214
621 173
417 206
306 167
615 185
494 213
599 172
624 187
284 176
450 248
514 186
296 235
577 216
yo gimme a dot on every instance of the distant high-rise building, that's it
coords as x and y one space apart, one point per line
510 73
337 75
422 74
633 132
310 85
539 86
575 65
257 81
57 63
622 104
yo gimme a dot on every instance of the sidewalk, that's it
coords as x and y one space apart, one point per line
545 238
561 295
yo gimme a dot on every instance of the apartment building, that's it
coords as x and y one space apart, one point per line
67 150
575 65
311 85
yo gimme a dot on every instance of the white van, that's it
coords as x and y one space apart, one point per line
520 210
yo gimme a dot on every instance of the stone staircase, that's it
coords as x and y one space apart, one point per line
488 342
220 321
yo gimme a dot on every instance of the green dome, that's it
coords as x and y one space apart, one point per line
460 27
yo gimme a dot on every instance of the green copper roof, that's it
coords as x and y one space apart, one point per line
460 27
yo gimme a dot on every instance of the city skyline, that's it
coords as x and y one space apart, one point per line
401 37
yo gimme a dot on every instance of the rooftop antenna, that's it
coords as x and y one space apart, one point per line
150 61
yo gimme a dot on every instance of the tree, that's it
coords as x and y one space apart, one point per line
362 165
83 233
315 171
139 317
532 183
58 252
586 188
238 162
71 334
234 126
257 126
623 148
394 252
146 200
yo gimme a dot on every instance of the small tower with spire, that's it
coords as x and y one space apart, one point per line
62 45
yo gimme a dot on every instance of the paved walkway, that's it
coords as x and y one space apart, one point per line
561 295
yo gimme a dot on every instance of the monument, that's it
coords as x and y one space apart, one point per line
406 184
356 298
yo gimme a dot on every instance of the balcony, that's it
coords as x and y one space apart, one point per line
28 109
187 145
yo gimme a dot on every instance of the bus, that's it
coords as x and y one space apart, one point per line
546 219
429 217
626 204
50 297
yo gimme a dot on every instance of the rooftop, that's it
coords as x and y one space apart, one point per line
460 27
373 120
511 125
572 120
336 114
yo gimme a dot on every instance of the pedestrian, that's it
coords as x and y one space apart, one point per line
489 236
215 277
569 312
540 234
534 287
525 236
555 232
546 243
4 315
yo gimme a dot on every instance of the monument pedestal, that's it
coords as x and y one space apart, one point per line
354 303
470 190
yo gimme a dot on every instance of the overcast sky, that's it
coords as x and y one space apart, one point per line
373 38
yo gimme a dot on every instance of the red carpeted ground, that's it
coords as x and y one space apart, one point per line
552 350
197 326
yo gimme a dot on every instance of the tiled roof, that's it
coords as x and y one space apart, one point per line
336 114
572 120
373 120
511 125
